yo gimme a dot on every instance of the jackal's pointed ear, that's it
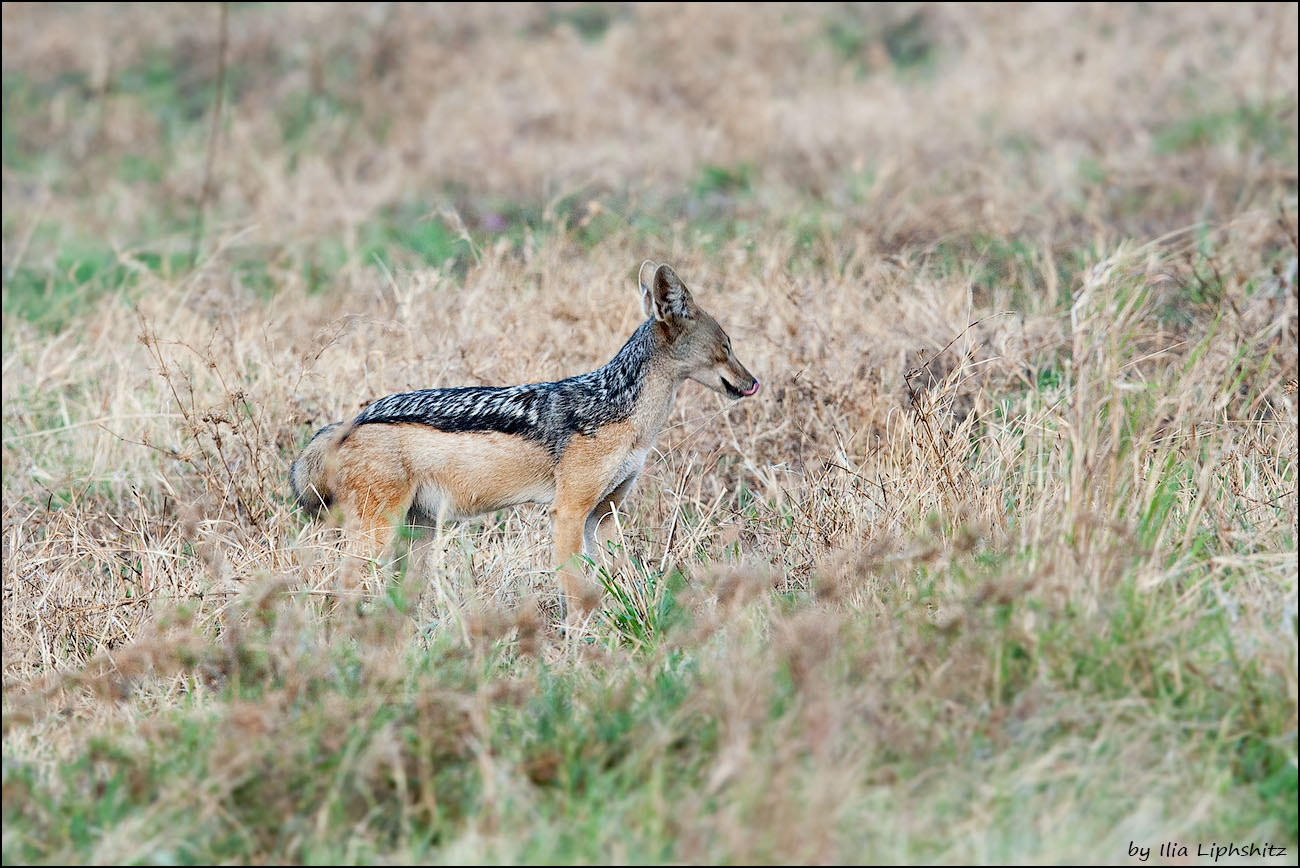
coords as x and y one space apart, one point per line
664 296
644 277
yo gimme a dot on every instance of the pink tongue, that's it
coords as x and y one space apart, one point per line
752 389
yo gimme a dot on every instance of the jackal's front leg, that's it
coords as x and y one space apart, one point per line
578 592
585 472
604 508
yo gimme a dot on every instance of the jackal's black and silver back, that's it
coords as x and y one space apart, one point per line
547 413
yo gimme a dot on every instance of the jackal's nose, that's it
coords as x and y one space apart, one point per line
751 390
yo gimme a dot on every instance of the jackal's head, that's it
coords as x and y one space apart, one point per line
694 340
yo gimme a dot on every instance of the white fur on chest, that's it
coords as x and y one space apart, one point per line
631 468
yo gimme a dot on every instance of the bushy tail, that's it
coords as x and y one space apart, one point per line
310 475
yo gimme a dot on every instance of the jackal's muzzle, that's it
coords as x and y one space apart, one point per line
737 392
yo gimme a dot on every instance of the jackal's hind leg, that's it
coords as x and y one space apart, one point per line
374 513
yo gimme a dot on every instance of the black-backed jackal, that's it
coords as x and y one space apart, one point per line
576 444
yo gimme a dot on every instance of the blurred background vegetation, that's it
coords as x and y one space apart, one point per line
407 134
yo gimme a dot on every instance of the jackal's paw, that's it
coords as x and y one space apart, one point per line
578 597
588 597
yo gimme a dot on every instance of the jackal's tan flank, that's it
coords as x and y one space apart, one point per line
577 444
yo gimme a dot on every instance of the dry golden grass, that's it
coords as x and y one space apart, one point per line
1000 565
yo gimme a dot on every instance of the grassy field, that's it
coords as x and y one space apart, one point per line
999 566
